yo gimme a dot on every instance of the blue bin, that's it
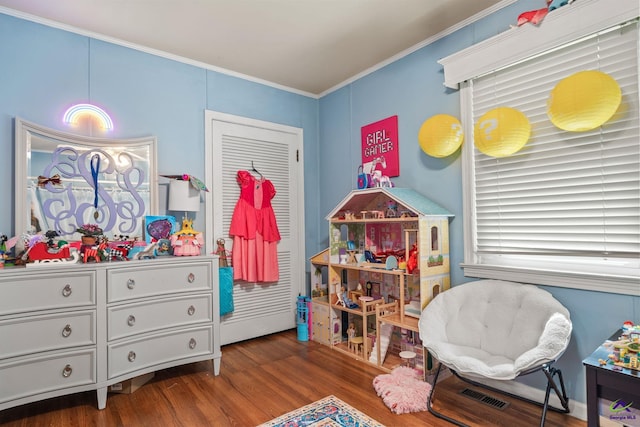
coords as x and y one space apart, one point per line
303 332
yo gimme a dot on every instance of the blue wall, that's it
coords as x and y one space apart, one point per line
45 70
412 88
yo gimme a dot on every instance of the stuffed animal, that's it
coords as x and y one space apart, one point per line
536 16
533 16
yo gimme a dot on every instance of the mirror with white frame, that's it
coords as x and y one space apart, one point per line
65 180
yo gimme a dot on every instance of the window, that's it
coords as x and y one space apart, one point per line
434 238
565 210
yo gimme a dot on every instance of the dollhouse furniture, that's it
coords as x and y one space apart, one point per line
497 330
408 358
381 242
355 344
68 329
320 316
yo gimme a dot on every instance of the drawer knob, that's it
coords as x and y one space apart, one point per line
67 371
131 320
66 291
66 331
191 310
192 343
191 277
132 356
131 283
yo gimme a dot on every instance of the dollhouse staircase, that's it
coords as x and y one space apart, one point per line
385 330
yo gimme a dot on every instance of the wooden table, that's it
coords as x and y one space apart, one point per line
610 382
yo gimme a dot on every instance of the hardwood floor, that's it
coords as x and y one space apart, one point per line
261 379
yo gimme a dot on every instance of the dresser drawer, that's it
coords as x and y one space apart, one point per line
47 332
157 279
24 293
129 319
49 372
137 354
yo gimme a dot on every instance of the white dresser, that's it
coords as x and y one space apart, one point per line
84 327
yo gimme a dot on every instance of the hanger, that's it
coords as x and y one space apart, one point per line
253 168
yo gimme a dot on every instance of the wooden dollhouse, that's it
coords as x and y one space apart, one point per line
388 257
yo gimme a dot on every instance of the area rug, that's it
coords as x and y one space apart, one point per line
403 390
327 412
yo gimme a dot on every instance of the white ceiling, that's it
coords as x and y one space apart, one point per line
310 46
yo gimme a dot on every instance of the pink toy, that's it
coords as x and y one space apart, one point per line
187 241
403 390
533 16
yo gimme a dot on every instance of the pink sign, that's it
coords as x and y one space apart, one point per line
380 149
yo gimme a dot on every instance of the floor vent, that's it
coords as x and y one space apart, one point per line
484 398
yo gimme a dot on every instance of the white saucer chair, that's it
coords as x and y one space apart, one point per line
497 330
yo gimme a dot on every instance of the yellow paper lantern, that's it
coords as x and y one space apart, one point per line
440 135
501 132
583 101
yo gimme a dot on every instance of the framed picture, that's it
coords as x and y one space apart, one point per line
158 227
380 150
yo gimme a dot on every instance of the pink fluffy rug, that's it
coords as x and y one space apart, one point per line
402 390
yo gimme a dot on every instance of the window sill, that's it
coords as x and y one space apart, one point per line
625 285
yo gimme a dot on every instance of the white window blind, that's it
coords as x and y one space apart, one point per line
568 201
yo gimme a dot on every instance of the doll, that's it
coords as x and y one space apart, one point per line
351 332
187 241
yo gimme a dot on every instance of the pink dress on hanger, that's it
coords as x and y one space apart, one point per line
255 232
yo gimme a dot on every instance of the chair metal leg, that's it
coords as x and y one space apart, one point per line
430 398
561 393
546 403
562 396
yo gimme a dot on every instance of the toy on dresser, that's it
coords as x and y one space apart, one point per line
187 241
47 248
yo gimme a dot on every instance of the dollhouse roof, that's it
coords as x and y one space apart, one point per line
370 198
321 257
